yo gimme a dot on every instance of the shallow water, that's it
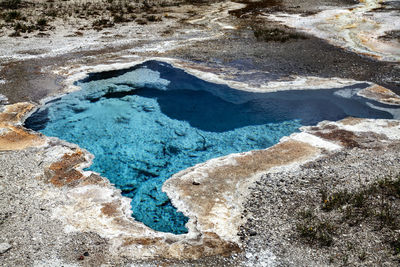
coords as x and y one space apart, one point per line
146 123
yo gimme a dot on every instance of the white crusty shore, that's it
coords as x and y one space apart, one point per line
224 75
355 28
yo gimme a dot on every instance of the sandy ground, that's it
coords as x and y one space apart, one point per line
201 37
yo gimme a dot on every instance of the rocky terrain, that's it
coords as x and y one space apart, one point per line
328 195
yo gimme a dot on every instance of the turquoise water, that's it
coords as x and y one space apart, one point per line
148 122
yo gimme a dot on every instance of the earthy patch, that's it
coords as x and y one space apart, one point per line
13 136
16 137
349 139
93 179
13 114
64 172
393 124
346 138
349 121
213 245
324 127
110 209
262 160
380 94
141 241
223 248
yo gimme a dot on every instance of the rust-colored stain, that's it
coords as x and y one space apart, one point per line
110 209
151 241
63 172
381 94
212 245
348 121
262 160
16 138
13 114
379 89
12 135
346 138
393 124
212 240
365 42
93 179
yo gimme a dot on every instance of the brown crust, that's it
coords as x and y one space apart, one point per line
12 135
346 138
64 172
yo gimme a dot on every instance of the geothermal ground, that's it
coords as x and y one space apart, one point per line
328 195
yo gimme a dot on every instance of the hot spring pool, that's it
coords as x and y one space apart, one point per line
148 122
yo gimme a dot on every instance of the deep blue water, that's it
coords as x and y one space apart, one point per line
148 122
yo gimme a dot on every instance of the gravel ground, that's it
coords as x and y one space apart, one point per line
277 199
276 59
26 223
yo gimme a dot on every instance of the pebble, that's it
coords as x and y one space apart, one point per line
4 247
252 233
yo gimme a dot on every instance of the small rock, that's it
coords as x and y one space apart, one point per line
252 233
196 183
153 18
4 247
86 254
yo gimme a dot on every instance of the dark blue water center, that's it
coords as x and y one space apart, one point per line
146 123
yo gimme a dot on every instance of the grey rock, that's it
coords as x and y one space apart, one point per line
4 247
